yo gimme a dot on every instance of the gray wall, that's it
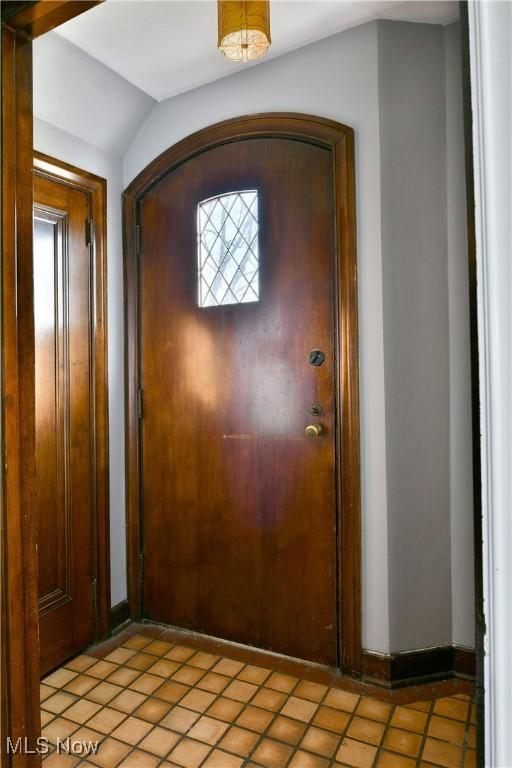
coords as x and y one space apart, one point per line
64 146
415 292
461 468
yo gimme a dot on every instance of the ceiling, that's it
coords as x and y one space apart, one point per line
168 47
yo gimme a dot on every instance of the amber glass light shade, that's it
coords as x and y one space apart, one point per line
244 28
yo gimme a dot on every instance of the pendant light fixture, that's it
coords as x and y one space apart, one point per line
244 28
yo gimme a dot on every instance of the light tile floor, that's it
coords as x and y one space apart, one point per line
156 697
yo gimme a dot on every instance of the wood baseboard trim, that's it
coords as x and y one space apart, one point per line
119 616
412 667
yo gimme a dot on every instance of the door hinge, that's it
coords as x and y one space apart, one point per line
94 590
138 239
141 567
140 405
89 232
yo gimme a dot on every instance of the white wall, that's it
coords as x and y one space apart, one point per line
64 146
461 462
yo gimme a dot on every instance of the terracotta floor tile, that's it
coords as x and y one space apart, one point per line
128 701
106 720
101 669
138 759
240 691
280 682
61 761
374 710
189 753
103 693
80 663
228 667
269 699
391 760
45 691
172 692
120 655
252 674
58 702
208 730
239 740
160 698
163 668
285 729
320 742
225 709
81 685
339 699
310 691
449 707
110 753
136 642
404 742
197 700
82 710
213 683
368 731
307 760
59 728
446 729
272 754
409 719
160 741
152 710
442 753
203 660
132 730
254 718
146 683
219 759
158 647
180 720
60 677
140 661
180 653
123 676
355 754
332 719
46 717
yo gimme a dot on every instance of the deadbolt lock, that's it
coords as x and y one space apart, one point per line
313 430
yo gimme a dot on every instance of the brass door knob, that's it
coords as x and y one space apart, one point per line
313 430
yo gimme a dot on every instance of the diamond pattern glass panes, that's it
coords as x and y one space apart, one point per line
228 249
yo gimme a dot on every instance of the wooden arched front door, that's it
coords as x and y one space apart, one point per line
245 351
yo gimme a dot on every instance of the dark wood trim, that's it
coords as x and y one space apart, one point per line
413 667
37 18
475 383
339 140
19 617
119 616
96 188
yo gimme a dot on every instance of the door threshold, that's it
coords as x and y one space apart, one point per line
285 665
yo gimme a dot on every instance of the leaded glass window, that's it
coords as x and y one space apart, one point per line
227 233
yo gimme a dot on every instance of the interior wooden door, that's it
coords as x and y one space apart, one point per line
236 361
64 422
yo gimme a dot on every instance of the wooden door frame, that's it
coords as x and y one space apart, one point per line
96 188
19 643
339 140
